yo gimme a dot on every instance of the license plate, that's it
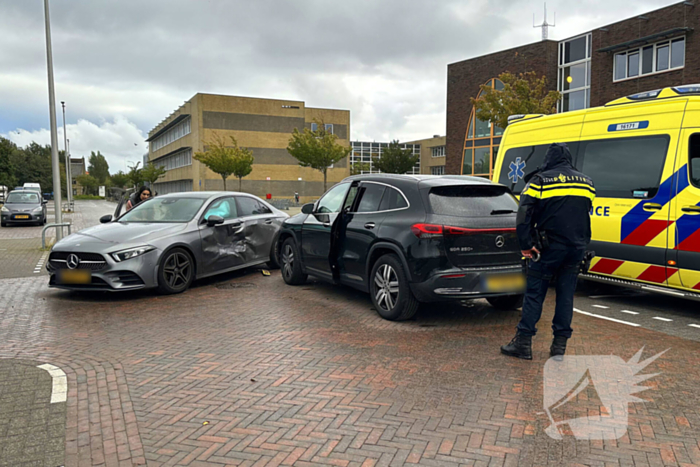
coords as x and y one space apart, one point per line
76 276
21 217
504 283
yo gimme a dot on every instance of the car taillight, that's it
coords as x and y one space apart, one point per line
426 230
434 231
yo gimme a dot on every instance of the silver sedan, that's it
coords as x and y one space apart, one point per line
167 242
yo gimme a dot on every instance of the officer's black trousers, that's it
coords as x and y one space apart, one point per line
562 264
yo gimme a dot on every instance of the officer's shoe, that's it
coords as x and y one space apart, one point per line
558 348
520 347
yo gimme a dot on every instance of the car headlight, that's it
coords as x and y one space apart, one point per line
131 253
4 209
39 209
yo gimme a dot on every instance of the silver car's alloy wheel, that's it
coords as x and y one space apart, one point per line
177 270
288 261
387 287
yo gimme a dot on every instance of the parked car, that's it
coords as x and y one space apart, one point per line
23 207
408 239
168 241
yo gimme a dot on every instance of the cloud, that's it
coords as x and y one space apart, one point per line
385 61
119 140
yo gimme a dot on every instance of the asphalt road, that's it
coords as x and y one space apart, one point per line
669 315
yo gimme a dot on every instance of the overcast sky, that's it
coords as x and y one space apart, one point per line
122 66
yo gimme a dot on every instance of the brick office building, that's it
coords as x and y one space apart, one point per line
654 50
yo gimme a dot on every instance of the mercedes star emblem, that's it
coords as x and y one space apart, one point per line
73 261
500 241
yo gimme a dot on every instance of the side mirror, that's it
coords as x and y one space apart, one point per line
214 220
106 219
308 208
43 201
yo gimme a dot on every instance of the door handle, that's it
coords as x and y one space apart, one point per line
691 209
369 225
651 207
326 224
237 227
268 221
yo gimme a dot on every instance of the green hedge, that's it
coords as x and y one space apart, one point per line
87 197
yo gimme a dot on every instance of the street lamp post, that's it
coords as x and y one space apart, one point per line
65 148
54 132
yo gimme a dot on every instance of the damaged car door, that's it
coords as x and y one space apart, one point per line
259 227
223 245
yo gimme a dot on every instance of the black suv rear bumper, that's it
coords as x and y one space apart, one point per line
468 283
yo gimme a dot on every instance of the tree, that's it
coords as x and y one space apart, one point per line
7 168
98 166
120 179
395 160
226 160
522 94
89 183
359 167
317 149
151 172
135 175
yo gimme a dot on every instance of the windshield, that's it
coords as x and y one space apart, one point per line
164 210
23 198
472 201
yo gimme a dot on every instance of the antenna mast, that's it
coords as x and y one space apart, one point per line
545 25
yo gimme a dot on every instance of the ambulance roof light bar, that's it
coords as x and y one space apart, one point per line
687 89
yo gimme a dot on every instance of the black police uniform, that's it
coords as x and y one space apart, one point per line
553 217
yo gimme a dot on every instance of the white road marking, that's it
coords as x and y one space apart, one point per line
39 265
629 312
694 325
662 319
59 389
601 306
606 318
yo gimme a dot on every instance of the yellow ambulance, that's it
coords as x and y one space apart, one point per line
643 154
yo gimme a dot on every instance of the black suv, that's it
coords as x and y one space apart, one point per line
407 239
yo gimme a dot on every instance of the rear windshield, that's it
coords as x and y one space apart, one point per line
471 200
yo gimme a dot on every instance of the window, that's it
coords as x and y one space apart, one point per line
624 167
179 159
366 153
694 160
662 56
172 134
164 210
177 186
519 162
225 208
329 128
574 75
251 207
371 197
438 151
437 170
469 200
392 199
332 200
485 137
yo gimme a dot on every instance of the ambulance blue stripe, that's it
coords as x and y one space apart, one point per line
687 225
637 215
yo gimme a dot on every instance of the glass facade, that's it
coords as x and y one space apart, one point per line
481 142
163 188
176 132
574 74
363 153
179 159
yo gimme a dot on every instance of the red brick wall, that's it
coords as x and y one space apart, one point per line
465 77
603 89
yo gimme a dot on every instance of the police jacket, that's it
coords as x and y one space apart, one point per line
556 200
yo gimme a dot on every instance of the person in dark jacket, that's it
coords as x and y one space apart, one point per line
554 228
141 195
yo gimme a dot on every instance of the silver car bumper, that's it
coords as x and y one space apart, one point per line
106 274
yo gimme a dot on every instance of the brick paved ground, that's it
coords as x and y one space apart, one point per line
32 429
244 370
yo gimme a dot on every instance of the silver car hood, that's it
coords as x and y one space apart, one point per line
106 238
22 207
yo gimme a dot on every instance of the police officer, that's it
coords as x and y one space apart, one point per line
554 228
